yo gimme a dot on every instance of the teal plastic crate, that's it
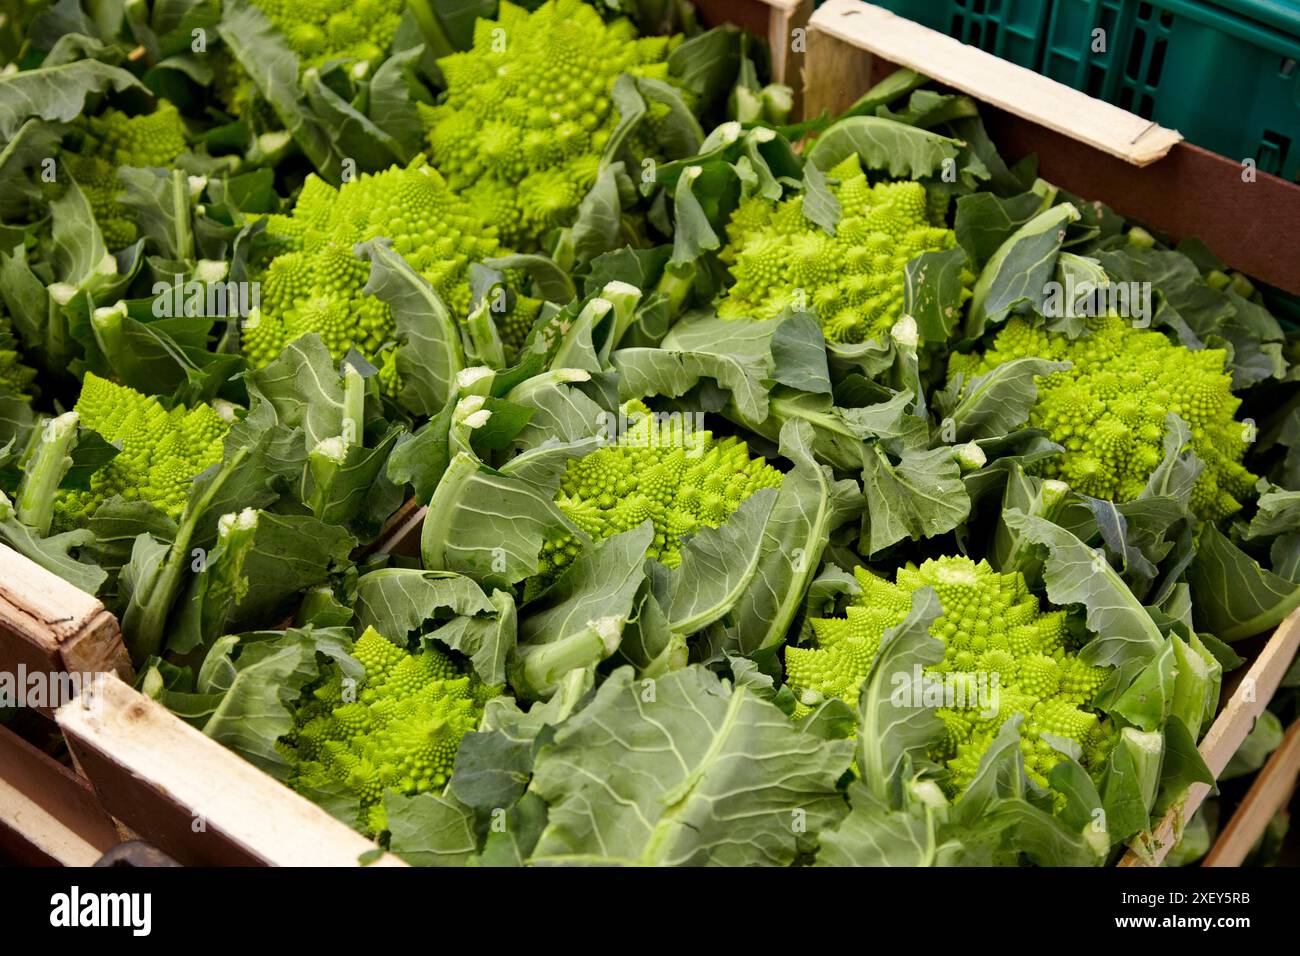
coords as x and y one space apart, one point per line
1225 73
1011 29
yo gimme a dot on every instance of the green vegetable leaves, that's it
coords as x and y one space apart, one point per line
429 353
486 524
893 738
1020 269
55 93
715 775
1076 574
1234 597
651 515
998 402
906 152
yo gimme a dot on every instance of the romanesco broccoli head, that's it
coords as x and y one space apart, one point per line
397 729
315 284
318 31
854 279
660 469
1002 656
528 111
1108 409
323 30
162 451
15 376
115 140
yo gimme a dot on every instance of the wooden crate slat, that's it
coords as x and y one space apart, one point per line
404 536
48 626
1269 793
49 816
190 796
993 80
397 524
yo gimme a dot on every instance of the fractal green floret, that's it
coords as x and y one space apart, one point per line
854 279
162 451
316 283
662 470
398 728
323 30
1002 656
15 376
114 140
528 111
1109 409
318 31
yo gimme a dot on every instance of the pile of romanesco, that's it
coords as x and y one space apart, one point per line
398 728
854 279
162 451
355 357
528 111
680 480
114 140
1108 409
1002 657
316 283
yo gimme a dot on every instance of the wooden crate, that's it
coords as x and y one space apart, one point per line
1089 147
191 797
393 536
204 805
180 790
404 537
48 813
1098 151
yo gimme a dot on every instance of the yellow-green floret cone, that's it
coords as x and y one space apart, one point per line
398 728
853 280
1108 409
114 140
316 283
162 450
528 111
15 376
1003 656
661 469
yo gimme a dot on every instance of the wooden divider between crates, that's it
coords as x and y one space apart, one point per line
191 797
863 27
1092 148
